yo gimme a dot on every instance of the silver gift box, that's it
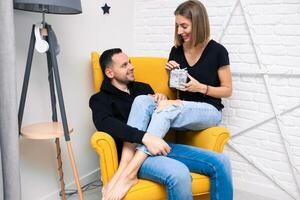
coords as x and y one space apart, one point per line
177 77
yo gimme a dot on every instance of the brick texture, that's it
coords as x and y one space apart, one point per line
275 26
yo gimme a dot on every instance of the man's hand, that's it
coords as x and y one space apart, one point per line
156 145
158 97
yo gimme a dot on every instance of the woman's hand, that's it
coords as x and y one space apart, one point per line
172 65
193 86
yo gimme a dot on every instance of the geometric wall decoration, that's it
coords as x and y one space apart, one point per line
277 114
263 114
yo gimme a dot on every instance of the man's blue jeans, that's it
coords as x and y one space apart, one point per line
173 170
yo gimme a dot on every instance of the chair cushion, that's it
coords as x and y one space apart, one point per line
145 189
201 184
152 70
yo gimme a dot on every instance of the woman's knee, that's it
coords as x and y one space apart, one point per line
165 104
144 100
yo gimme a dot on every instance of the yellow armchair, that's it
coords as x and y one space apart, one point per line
151 70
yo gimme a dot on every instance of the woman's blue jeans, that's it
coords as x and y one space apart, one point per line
173 170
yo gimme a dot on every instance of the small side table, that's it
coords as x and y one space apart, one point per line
52 130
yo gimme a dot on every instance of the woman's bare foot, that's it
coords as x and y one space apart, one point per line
120 188
111 183
166 103
106 188
103 191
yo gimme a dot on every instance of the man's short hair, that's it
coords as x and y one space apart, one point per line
105 59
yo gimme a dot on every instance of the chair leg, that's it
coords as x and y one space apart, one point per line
60 170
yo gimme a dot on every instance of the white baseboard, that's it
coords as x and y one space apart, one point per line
91 176
270 193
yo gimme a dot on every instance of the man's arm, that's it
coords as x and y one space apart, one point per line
105 121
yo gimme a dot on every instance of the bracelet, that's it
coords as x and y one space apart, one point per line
206 92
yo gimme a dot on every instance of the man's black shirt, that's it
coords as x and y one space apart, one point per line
111 108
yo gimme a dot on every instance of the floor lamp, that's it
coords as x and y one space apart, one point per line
43 39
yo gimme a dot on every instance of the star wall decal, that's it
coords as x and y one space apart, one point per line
105 9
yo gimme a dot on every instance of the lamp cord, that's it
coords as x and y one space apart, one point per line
89 186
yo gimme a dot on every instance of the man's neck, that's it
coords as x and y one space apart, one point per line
121 86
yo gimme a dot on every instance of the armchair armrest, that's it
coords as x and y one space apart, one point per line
213 138
105 147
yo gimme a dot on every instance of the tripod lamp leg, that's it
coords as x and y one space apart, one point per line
76 177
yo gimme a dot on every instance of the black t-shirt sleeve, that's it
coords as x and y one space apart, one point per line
149 89
172 54
223 57
105 121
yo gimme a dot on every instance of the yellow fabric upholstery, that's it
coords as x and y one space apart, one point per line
151 70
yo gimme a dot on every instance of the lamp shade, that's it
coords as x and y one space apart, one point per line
49 6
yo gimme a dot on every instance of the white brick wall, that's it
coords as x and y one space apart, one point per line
275 27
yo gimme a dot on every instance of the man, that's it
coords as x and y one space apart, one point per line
117 111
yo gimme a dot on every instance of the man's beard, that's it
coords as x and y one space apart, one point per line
125 81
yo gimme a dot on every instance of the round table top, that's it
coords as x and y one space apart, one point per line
44 130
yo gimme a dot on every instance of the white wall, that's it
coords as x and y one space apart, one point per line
144 27
78 35
275 28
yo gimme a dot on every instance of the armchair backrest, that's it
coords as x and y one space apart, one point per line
149 70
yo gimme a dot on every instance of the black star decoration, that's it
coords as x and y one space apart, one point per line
105 9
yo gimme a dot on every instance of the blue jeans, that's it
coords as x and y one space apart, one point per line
174 169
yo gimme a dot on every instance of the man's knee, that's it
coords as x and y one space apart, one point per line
222 164
179 175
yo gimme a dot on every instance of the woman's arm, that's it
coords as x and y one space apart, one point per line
224 90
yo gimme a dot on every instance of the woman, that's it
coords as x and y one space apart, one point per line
206 60
198 107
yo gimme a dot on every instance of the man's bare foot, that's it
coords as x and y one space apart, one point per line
120 188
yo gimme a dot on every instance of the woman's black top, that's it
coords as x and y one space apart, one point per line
205 70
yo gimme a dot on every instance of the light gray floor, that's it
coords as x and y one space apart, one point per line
95 194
